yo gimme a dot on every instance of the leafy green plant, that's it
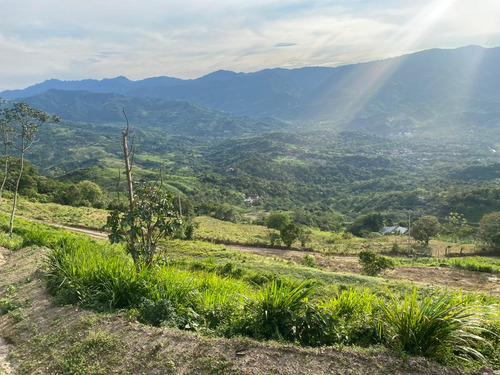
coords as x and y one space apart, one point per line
277 308
289 234
435 326
150 218
7 305
372 264
309 261
345 319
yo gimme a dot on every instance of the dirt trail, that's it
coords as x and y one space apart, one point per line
446 277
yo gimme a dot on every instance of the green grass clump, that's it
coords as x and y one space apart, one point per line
437 326
276 311
13 243
7 305
478 264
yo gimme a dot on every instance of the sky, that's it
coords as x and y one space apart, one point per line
75 39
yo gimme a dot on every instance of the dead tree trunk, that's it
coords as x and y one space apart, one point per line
128 164
14 203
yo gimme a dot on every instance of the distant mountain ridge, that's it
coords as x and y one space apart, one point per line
171 116
118 85
404 93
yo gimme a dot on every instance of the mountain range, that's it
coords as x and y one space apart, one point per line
415 92
419 132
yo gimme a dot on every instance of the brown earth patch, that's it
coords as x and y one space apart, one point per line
447 277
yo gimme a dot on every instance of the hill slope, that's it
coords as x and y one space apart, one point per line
169 116
416 91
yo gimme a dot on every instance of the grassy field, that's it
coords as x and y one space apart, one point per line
87 217
206 287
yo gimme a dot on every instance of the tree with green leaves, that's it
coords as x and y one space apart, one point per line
365 224
277 220
304 236
150 219
489 228
7 132
289 234
425 228
372 263
20 122
457 226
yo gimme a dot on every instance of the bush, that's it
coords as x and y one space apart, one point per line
289 234
372 264
277 220
161 312
276 311
437 326
345 319
7 305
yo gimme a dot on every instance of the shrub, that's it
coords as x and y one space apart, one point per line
274 238
345 319
7 305
372 264
276 311
277 220
434 327
309 261
289 234
162 312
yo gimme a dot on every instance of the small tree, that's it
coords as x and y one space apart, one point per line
366 223
457 226
425 228
489 228
150 216
277 220
372 264
289 234
7 132
150 219
22 122
304 236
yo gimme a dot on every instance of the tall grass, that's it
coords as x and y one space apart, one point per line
478 264
437 326
276 310
348 318
102 276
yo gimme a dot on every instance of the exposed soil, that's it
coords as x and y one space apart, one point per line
447 277
4 347
49 340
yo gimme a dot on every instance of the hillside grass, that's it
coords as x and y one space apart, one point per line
208 288
87 217
193 288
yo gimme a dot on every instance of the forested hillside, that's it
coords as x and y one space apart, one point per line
416 132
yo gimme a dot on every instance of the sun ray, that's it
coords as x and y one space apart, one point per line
367 80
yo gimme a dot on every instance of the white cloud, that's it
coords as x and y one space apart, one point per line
72 39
